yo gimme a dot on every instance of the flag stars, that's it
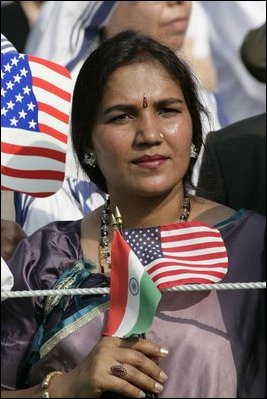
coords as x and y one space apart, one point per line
31 106
13 121
4 111
14 61
26 90
3 92
17 78
22 114
23 71
32 124
19 98
8 67
10 105
2 74
9 85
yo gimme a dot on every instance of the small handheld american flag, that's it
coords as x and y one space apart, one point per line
180 253
35 105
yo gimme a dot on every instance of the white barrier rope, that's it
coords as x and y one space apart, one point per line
94 291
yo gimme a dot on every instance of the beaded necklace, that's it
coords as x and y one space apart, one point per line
103 249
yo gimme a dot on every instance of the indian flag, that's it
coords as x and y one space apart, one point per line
134 297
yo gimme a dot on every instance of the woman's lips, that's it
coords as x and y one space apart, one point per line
150 162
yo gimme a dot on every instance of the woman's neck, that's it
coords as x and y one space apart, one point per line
148 211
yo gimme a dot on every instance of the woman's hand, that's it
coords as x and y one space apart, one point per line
94 376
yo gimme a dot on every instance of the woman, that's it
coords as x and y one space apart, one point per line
67 33
135 119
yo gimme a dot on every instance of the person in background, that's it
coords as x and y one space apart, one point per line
239 95
136 127
196 48
17 19
76 30
253 52
233 170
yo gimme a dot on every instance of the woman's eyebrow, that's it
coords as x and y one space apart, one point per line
169 101
131 108
120 107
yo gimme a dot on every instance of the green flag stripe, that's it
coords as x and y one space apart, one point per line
149 294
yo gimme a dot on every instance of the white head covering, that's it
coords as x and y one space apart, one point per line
67 32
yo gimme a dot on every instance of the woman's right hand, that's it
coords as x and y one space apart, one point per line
93 376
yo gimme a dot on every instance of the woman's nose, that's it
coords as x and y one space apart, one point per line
148 132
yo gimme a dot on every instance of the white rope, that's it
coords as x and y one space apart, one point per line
93 291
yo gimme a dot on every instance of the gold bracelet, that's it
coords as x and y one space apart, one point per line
46 382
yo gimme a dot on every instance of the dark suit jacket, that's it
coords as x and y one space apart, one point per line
233 171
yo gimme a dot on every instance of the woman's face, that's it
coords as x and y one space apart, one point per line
130 151
165 21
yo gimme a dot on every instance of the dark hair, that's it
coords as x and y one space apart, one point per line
126 48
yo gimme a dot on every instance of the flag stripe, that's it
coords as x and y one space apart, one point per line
54 112
50 65
165 261
41 71
193 253
184 272
191 242
34 174
199 258
194 247
50 120
31 140
170 268
147 295
119 281
36 193
22 162
53 132
30 185
46 97
132 308
169 282
38 82
31 151
166 232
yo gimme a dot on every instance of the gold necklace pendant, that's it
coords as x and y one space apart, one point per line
104 257
186 209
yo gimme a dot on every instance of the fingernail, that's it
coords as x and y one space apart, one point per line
163 377
163 351
141 394
158 387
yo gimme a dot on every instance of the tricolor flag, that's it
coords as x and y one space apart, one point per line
180 253
35 105
133 295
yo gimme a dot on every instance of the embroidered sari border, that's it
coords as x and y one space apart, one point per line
73 326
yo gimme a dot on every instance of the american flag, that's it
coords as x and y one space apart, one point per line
180 253
35 104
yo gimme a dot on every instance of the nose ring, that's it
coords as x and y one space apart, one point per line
161 135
